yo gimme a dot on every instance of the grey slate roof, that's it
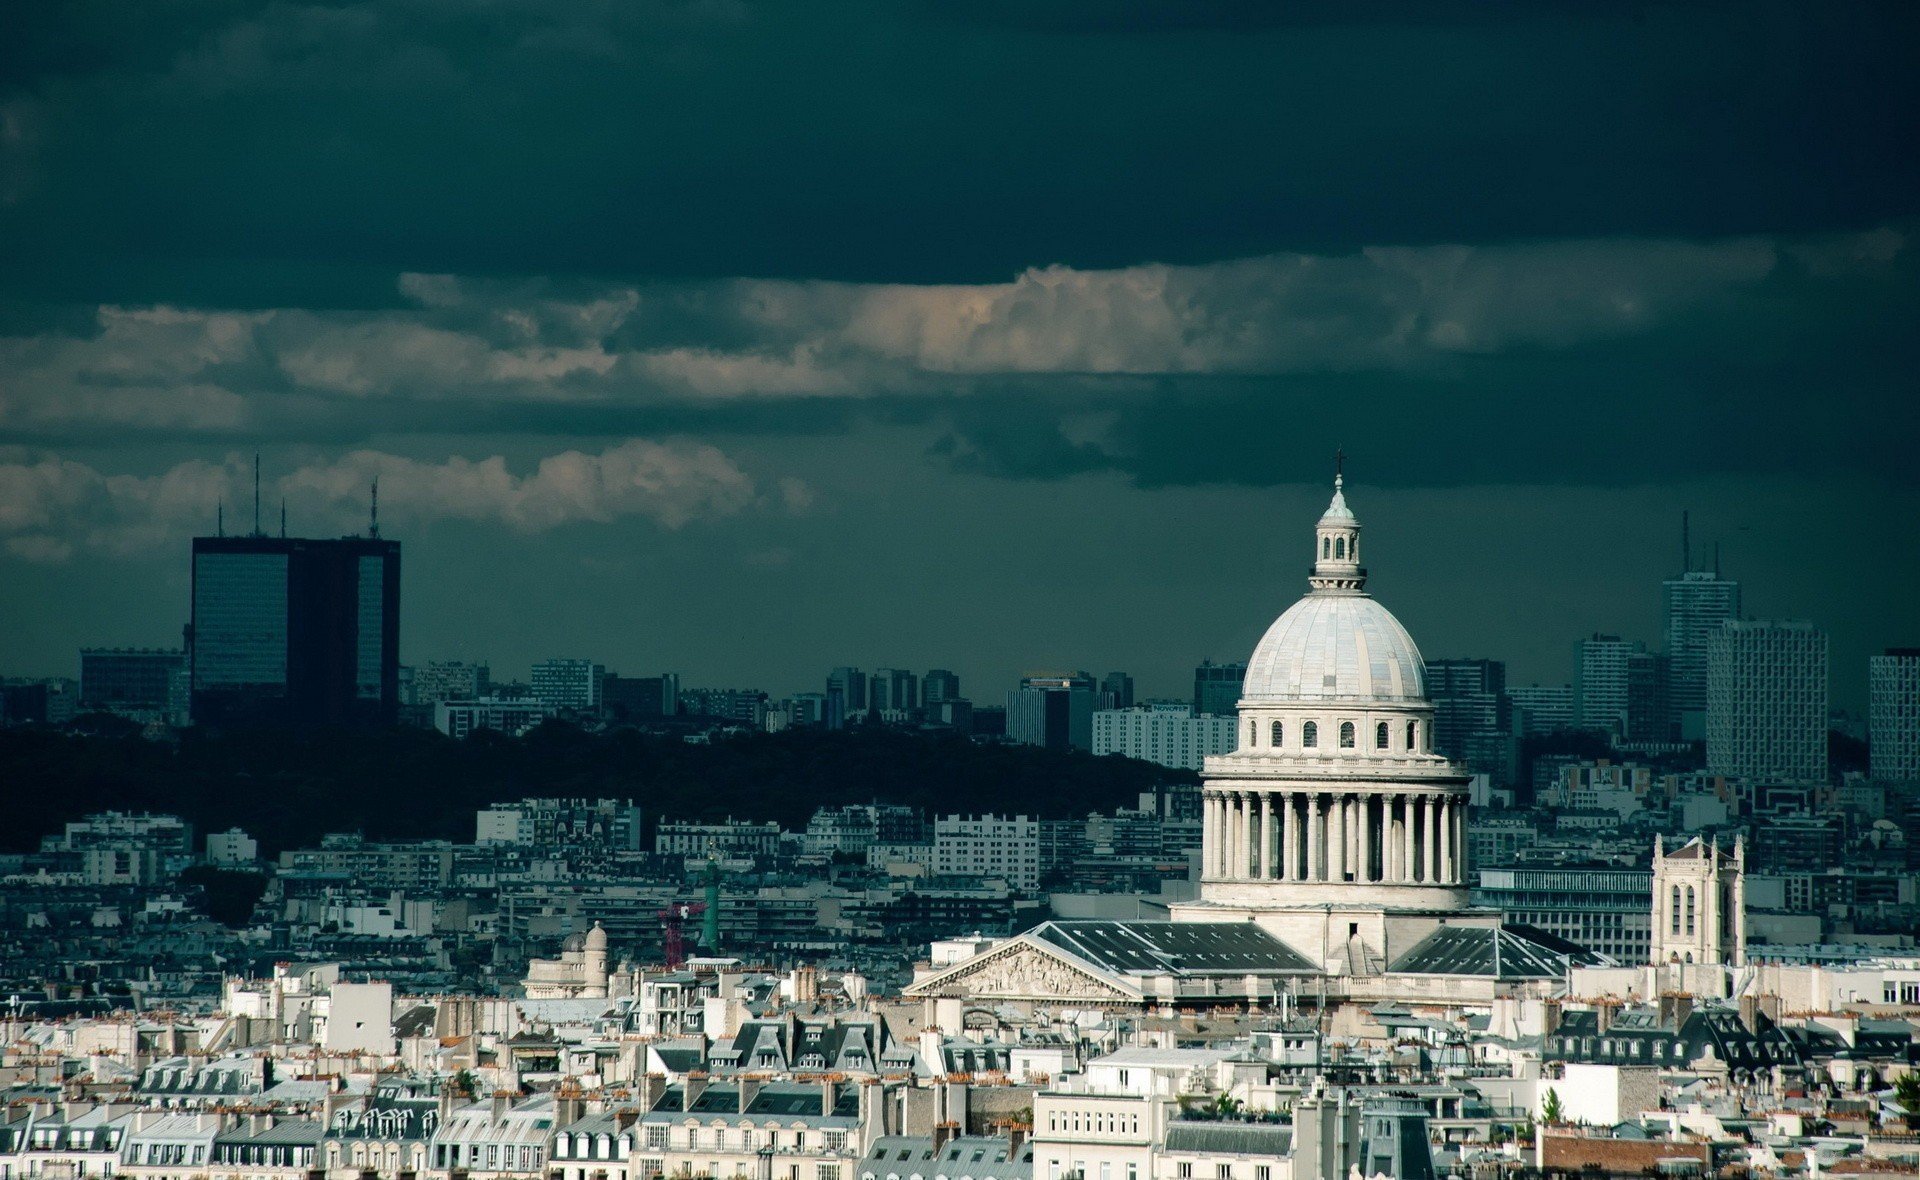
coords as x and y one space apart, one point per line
1484 952
1180 948
1229 1138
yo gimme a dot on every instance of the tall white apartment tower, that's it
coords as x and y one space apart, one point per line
1696 603
1893 714
1767 701
1600 681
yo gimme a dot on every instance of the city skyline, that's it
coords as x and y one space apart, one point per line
1536 658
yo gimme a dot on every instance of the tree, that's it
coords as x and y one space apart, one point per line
1906 1091
1551 1110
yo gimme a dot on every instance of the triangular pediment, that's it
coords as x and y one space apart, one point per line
1025 969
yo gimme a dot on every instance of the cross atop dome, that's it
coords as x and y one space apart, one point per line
1336 559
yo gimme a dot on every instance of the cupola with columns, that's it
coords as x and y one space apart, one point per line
1335 795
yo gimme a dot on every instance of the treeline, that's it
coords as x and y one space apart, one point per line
287 788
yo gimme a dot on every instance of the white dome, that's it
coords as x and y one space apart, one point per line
1335 647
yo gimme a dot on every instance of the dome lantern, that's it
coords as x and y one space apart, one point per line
1336 539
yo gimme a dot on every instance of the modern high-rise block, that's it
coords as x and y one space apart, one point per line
136 682
640 698
450 680
1469 698
1767 701
851 684
1600 681
1216 688
293 631
1540 708
1053 711
1696 603
939 685
1116 690
1893 715
568 684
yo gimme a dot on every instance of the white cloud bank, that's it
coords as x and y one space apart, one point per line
53 508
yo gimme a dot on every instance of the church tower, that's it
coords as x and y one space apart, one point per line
1700 904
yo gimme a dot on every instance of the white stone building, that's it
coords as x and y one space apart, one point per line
1166 732
988 846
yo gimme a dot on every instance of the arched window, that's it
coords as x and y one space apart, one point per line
1279 735
1309 735
1674 912
1253 734
1353 549
1346 735
1689 909
1326 546
1380 736
1340 548
1412 728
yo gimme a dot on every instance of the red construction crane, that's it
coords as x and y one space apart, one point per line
672 921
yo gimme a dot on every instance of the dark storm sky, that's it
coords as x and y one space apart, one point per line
749 339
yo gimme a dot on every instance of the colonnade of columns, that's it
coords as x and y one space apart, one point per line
1386 837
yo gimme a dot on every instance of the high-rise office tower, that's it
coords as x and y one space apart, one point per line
1053 711
939 685
288 630
1649 716
1697 602
1117 689
1600 681
1767 701
568 684
1893 715
1469 699
1216 688
851 684
893 690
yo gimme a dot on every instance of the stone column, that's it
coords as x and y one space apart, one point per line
1365 841
1266 836
1209 835
1289 839
1433 840
1447 867
1237 866
1337 838
1316 838
1410 809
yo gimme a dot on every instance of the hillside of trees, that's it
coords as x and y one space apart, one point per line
287 788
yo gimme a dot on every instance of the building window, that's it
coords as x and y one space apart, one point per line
1380 736
1309 735
1346 735
1279 735
1184 1170
1410 733
1223 1172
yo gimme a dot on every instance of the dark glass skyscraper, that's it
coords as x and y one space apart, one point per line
291 631
1216 688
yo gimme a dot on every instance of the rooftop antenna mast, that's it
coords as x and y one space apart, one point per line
1716 559
283 518
256 494
373 512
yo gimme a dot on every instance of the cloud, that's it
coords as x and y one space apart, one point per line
52 508
544 343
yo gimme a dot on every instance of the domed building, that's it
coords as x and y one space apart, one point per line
1333 849
1335 824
